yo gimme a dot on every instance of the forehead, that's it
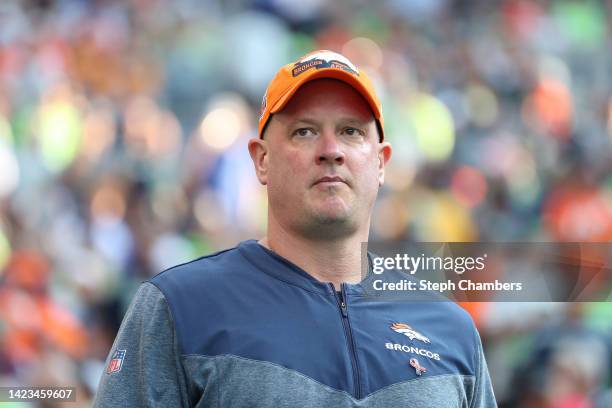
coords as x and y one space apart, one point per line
328 96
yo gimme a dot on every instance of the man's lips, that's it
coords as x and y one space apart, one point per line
330 180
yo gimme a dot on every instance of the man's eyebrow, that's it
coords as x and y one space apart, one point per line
306 120
346 119
289 123
356 121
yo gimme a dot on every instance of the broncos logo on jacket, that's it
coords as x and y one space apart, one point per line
409 332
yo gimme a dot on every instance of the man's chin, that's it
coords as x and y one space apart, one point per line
329 225
332 219
332 212
332 206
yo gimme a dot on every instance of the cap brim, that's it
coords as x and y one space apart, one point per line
332 73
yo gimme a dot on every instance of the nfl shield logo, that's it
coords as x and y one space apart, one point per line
116 362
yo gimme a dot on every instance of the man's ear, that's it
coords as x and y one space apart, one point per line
258 149
384 154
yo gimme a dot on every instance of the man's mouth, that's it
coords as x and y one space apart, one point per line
330 181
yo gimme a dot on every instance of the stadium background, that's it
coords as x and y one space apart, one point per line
123 129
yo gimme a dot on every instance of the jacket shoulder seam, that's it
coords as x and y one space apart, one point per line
190 262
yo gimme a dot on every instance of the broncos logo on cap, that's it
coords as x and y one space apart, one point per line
324 59
409 332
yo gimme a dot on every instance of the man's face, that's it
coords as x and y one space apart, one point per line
321 161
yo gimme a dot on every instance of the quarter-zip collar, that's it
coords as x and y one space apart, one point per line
281 268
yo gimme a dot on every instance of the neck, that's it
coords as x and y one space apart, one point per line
334 261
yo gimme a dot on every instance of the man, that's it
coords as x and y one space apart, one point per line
284 322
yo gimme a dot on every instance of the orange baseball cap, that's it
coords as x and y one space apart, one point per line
316 65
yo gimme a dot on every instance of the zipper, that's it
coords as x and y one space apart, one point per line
346 325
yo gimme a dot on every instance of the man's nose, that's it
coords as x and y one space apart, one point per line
329 149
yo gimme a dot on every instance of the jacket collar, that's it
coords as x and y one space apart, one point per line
281 268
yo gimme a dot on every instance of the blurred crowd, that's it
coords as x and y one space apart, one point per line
123 129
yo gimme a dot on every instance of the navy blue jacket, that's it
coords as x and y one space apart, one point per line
245 327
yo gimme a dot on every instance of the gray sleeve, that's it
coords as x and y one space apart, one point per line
147 370
483 388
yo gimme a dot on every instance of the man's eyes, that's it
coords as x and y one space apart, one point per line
349 131
303 132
